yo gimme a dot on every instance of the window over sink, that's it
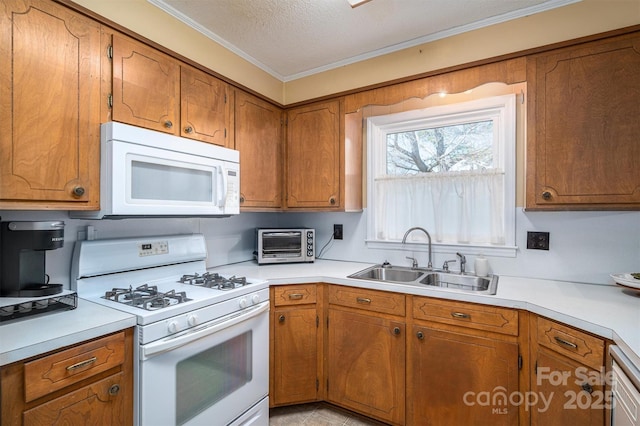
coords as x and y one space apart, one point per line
449 169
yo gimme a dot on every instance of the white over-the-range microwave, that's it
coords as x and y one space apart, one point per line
145 173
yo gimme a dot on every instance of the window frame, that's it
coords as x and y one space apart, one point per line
501 109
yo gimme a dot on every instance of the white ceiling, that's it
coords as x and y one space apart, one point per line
290 39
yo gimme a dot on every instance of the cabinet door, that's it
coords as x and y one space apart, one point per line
314 161
49 98
204 107
574 392
146 86
102 402
459 379
583 109
296 355
366 359
258 137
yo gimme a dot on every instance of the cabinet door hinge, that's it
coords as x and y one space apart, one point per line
225 132
317 384
317 321
110 100
519 362
535 368
327 322
225 98
110 51
327 385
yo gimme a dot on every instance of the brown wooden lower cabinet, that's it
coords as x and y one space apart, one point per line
366 372
461 379
296 345
568 367
413 360
89 383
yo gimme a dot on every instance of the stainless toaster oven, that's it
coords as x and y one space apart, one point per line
285 245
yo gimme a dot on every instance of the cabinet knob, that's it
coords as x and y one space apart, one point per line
332 201
78 191
396 330
188 129
241 199
281 318
587 387
168 124
114 389
420 335
546 195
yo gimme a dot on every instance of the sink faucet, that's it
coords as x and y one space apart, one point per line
463 262
417 228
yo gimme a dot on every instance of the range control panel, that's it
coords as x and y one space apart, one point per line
153 249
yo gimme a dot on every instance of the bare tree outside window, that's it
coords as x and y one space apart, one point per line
453 148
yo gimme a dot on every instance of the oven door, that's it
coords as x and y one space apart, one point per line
209 375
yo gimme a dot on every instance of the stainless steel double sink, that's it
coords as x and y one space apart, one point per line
466 283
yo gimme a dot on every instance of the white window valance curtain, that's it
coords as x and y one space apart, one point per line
459 207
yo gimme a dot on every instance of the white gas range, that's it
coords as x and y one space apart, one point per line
202 352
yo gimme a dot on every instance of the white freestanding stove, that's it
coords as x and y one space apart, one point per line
203 339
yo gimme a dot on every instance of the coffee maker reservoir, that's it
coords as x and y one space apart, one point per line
24 283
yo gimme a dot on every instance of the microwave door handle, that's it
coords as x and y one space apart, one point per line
223 191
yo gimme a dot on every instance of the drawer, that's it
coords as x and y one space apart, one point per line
370 300
471 315
579 346
294 294
64 368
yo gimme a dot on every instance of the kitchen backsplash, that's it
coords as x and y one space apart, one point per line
585 246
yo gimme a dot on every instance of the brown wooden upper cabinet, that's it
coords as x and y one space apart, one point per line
314 161
158 92
205 107
49 98
583 150
258 137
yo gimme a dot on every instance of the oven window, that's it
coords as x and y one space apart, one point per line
151 181
282 242
207 377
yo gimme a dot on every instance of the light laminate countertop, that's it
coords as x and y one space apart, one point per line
609 311
30 336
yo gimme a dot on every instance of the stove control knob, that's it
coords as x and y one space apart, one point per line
243 303
173 327
255 299
192 320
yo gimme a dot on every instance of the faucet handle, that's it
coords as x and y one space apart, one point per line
414 262
445 266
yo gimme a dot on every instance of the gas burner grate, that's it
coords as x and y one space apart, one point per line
214 280
146 297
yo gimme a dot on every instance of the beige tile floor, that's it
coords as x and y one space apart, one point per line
316 414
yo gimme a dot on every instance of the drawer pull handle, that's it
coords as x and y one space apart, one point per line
82 364
363 300
114 389
565 343
460 315
295 296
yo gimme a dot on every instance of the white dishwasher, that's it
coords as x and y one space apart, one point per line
626 390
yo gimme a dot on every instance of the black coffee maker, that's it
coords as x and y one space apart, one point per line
22 257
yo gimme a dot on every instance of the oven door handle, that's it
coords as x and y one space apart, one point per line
188 336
